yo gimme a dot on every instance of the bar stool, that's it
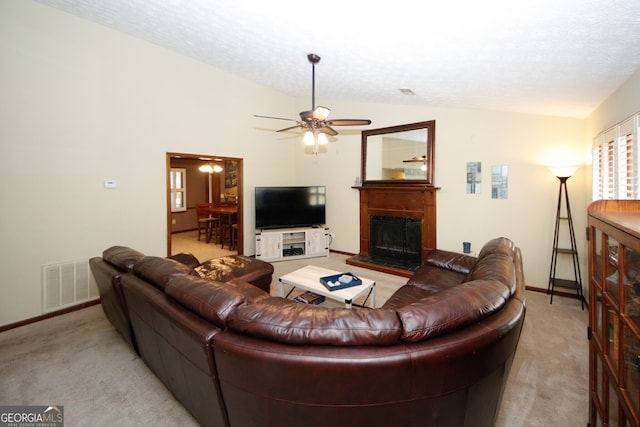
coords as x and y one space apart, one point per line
206 222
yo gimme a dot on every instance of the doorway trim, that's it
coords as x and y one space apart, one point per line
204 157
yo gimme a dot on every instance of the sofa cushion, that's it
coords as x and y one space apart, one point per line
122 257
250 291
499 245
454 261
497 267
406 295
158 271
434 279
212 300
451 309
282 320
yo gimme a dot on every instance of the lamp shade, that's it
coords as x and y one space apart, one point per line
309 139
563 171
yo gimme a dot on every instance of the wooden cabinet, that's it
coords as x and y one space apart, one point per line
292 243
614 313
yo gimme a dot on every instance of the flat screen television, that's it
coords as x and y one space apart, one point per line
285 207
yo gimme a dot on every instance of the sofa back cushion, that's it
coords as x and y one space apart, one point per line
187 258
451 309
286 321
158 271
497 267
499 245
212 300
122 257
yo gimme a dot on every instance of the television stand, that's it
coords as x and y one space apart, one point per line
283 244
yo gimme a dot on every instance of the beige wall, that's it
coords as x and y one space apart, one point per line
525 143
83 104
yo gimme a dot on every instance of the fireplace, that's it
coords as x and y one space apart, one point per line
405 212
395 241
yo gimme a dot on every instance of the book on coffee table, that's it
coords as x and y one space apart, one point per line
309 297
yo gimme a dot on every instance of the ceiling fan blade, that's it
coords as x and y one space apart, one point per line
328 130
321 113
276 118
349 122
419 159
289 128
306 116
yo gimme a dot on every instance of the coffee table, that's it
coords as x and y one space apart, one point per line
308 278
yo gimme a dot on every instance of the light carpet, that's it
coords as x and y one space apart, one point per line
79 361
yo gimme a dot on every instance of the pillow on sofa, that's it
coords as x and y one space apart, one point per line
451 309
214 301
282 320
248 269
158 271
122 257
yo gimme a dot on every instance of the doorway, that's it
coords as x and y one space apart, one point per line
222 187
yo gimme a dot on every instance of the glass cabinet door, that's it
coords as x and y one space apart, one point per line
631 273
612 279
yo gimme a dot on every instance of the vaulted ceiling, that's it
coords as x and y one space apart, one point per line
552 57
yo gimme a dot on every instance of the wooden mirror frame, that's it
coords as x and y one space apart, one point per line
429 152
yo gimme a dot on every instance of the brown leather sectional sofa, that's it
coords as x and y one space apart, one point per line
437 353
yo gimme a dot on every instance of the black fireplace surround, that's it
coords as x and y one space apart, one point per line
396 241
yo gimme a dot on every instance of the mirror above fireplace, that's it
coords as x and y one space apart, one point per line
399 155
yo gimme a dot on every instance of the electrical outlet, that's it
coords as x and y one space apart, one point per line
173 221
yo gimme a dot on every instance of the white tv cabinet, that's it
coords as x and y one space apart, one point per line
292 243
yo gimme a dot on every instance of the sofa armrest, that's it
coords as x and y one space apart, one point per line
454 261
451 309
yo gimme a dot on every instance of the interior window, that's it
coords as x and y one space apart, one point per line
178 189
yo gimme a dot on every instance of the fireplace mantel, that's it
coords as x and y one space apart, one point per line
409 201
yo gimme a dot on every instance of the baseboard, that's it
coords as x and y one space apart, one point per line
556 293
49 315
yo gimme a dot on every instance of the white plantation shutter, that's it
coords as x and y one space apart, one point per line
615 162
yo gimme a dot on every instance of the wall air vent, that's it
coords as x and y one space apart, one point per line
67 284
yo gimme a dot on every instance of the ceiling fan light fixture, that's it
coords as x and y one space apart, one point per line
206 168
314 121
309 139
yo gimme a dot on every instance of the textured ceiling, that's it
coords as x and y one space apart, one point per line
553 57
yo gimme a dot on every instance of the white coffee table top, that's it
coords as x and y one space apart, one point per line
308 278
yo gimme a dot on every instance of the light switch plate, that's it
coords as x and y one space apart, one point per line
110 184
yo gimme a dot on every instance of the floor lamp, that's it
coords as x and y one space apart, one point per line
563 174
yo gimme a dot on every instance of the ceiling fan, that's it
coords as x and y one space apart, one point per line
315 120
418 159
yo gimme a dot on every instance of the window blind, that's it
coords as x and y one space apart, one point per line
615 161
